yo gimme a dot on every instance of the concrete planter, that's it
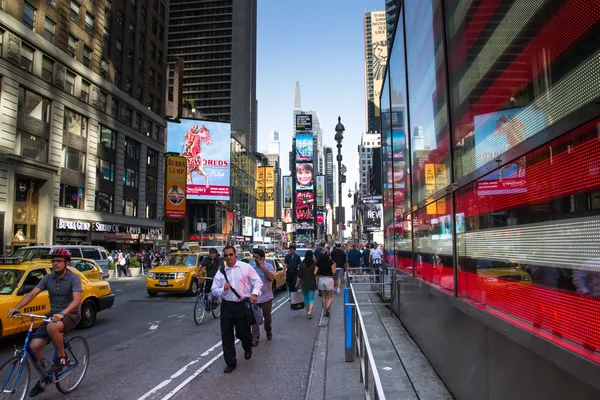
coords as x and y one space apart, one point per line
134 272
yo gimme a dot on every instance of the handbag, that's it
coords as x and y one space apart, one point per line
248 306
297 300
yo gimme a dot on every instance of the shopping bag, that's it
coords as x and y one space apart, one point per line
258 314
297 300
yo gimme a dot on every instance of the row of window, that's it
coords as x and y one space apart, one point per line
74 197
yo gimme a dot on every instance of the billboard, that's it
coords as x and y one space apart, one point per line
320 190
304 177
304 205
372 216
380 53
287 192
247 226
257 230
175 185
206 147
303 122
287 215
304 147
265 192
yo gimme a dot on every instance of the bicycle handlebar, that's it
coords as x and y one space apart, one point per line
32 316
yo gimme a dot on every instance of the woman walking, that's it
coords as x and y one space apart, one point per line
325 270
307 281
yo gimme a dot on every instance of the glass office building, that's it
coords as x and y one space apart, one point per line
491 184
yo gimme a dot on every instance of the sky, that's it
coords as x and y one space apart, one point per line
321 44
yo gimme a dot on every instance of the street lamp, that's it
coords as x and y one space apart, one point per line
339 135
237 213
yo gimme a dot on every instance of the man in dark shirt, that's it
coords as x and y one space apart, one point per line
318 250
354 257
338 256
291 263
366 256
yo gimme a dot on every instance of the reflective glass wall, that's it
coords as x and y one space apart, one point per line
493 163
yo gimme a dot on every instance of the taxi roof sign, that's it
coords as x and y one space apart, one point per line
10 260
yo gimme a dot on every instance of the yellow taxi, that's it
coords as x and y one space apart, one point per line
19 278
88 268
178 273
279 283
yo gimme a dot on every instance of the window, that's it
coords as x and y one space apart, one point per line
104 203
47 68
70 83
29 16
143 13
127 115
155 132
71 197
117 78
73 159
152 51
142 43
89 24
128 86
105 41
130 207
33 105
119 47
152 158
102 101
133 4
138 121
87 56
160 57
139 94
150 210
151 102
108 137
51 2
162 9
49 29
130 60
140 66
34 147
27 57
151 184
85 91
120 20
130 177
74 12
132 32
106 169
73 46
132 148
161 34
75 123
151 77
104 68
107 12
114 109
154 26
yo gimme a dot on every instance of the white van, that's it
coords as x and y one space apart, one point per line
96 253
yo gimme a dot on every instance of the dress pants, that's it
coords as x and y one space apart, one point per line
233 315
267 308
291 278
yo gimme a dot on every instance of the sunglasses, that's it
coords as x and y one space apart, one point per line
229 254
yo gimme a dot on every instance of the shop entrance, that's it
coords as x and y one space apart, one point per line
25 212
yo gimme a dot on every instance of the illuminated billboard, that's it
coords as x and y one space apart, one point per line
303 122
257 230
265 192
206 147
304 177
175 185
320 190
247 226
304 206
287 192
304 147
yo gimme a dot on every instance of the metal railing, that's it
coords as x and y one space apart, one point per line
356 338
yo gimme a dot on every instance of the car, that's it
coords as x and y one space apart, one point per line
96 253
301 251
279 283
88 268
180 272
18 278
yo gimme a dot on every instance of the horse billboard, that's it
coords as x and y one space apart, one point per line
206 146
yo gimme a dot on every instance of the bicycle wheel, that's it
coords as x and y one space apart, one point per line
216 311
199 309
14 379
78 353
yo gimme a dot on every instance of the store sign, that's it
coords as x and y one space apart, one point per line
62 225
83 226
175 187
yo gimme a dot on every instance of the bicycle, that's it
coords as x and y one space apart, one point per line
17 370
203 304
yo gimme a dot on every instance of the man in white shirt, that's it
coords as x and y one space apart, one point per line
234 284
376 256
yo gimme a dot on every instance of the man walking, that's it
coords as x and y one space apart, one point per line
354 257
338 256
291 262
266 271
235 284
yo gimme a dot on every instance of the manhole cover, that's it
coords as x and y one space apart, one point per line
366 313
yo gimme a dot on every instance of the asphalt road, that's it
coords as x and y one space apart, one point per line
150 348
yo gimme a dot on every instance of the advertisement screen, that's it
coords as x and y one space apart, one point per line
304 206
257 230
287 216
304 177
206 147
304 147
175 177
265 192
287 192
320 190
247 226
303 122
372 216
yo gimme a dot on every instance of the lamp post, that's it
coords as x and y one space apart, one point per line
237 213
339 135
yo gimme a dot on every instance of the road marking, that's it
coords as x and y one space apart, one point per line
197 372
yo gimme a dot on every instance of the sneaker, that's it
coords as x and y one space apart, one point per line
309 316
59 364
327 313
37 389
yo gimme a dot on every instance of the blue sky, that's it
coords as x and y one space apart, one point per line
320 44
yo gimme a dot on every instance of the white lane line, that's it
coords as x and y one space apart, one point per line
195 374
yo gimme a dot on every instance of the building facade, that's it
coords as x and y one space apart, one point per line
375 61
82 137
368 143
491 215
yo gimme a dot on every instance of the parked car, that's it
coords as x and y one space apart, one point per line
279 283
88 268
96 253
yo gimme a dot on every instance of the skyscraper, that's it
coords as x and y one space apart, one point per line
329 188
391 14
81 104
375 62
274 145
316 129
369 142
217 40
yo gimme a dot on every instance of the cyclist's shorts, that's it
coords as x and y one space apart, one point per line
70 321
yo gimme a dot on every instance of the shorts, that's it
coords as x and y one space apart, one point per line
325 283
309 296
70 321
339 274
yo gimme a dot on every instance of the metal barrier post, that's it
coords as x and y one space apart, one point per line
349 324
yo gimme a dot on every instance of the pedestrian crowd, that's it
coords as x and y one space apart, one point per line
122 260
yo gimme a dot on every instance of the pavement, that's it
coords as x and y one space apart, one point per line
150 348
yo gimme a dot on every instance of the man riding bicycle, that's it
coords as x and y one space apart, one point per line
64 291
212 264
